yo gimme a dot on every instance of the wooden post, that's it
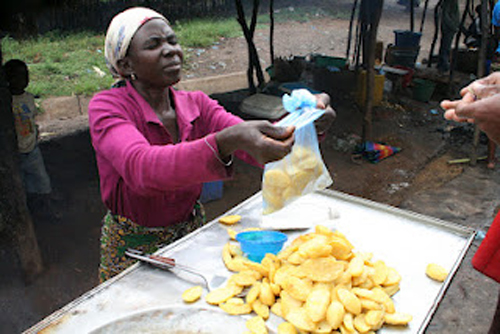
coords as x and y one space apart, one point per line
436 31
271 30
371 40
13 207
349 36
481 68
248 32
423 16
412 15
453 61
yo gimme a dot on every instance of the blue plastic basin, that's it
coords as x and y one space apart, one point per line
256 244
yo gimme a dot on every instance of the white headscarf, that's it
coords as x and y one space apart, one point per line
120 32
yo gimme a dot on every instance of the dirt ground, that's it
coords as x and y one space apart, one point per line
418 178
318 36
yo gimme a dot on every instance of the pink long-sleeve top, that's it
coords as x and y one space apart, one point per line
145 176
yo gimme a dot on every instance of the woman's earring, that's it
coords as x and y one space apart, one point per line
133 77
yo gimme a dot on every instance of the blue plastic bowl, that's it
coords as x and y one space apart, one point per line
256 244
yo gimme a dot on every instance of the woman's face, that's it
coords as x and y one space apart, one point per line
155 55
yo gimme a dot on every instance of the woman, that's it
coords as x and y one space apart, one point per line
156 146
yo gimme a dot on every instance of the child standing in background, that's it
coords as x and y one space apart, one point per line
35 178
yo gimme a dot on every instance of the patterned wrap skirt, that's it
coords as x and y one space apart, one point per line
119 233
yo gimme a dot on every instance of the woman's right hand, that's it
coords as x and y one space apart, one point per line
262 140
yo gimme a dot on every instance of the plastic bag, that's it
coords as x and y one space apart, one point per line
303 170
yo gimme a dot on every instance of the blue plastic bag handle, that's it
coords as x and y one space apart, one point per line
301 104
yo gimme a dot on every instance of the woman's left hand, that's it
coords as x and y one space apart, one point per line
326 120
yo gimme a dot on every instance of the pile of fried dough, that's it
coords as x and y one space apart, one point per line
317 285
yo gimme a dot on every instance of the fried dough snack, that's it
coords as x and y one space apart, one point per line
317 284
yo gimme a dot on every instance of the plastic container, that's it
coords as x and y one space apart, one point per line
326 61
256 244
211 191
402 56
407 38
423 89
378 91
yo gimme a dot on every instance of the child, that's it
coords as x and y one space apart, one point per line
35 178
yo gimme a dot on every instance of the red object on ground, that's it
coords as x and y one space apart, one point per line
487 257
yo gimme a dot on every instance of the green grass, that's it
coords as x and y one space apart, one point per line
64 64
204 32
61 65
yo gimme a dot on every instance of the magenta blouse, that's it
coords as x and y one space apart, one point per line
145 176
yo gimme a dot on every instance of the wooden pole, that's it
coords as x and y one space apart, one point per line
271 30
349 36
481 68
375 15
14 210
253 56
455 49
412 15
436 32
423 16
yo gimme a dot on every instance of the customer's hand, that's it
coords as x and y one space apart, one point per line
262 140
451 106
477 90
326 120
485 113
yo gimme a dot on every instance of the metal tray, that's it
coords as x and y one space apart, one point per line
404 240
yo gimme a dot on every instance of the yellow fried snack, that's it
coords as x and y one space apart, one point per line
323 269
436 272
350 301
276 178
230 220
317 284
360 324
236 306
192 294
400 319
289 180
222 294
232 233
317 303
335 314
256 325
300 319
253 293
261 309
286 328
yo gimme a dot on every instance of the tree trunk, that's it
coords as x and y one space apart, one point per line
14 212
